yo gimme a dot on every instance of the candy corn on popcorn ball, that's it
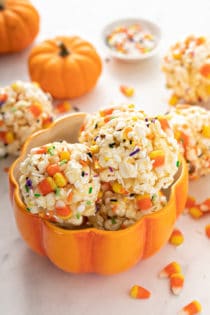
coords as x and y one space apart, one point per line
57 182
191 126
187 69
132 151
24 109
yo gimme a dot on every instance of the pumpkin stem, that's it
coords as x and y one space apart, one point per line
2 4
63 49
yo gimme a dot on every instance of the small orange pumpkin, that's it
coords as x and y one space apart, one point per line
93 250
19 25
66 67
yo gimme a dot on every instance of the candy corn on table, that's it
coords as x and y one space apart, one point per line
177 279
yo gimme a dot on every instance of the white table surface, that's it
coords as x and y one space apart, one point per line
31 285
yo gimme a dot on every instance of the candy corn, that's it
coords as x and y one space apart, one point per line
176 283
144 202
207 229
205 205
62 210
3 98
52 169
192 308
59 179
205 71
158 157
63 107
138 292
164 123
176 238
170 269
206 131
118 188
36 109
195 212
191 202
64 155
173 100
106 111
46 186
127 91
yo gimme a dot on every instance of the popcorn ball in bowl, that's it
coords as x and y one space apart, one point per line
117 211
132 151
57 182
134 228
24 109
187 70
191 125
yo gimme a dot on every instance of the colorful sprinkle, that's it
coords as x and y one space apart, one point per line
113 220
178 163
57 191
134 152
90 190
50 150
130 40
29 183
76 109
63 162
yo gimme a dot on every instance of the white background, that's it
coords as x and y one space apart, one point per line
31 285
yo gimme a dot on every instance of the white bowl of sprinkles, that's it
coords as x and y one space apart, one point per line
131 39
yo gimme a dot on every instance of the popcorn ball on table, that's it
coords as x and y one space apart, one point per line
187 70
24 109
191 125
58 183
132 151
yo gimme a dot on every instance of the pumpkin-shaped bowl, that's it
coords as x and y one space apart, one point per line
93 250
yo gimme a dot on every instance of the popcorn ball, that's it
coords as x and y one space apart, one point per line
24 109
93 122
132 151
187 70
117 211
191 125
58 183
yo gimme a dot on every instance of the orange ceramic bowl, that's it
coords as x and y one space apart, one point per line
93 250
